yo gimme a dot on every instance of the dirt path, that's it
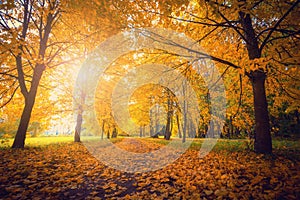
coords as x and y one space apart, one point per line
137 145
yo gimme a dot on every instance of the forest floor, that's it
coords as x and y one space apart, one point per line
67 170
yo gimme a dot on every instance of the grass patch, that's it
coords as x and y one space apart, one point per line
222 144
230 145
37 141
286 144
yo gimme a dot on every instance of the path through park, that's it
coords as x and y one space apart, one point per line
69 171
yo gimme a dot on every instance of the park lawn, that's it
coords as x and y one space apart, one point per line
222 144
38 141
57 168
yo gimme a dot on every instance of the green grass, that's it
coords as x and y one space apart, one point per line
286 144
230 145
233 145
37 141
48 140
222 144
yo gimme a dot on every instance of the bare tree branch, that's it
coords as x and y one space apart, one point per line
10 98
277 24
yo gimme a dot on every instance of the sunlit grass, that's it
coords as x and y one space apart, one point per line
230 145
37 141
234 144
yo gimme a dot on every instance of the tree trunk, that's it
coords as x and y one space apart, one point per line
102 129
262 135
30 95
157 123
108 134
178 126
262 138
184 122
78 126
114 133
141 131
169 121
151 123
79 116
168 128
230 132
20 137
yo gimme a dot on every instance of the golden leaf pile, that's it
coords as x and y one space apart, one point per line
68 171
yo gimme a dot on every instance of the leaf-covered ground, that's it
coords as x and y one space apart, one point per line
69 171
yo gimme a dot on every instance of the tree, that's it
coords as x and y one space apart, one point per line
252 37
28 22
258 40
40 118
94 23
40 35
79 117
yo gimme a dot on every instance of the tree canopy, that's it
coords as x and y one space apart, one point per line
253 44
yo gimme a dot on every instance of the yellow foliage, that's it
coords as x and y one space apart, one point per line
60 171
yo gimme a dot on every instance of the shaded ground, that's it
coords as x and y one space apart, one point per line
68 171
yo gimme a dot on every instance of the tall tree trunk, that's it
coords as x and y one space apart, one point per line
185 110
171 125
30 95
178 126
78 125
230 132
141 131
168 128
108 134
157 122
151 123
262 136
79 119
184 122
102 129
114 132
169 121
20 137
